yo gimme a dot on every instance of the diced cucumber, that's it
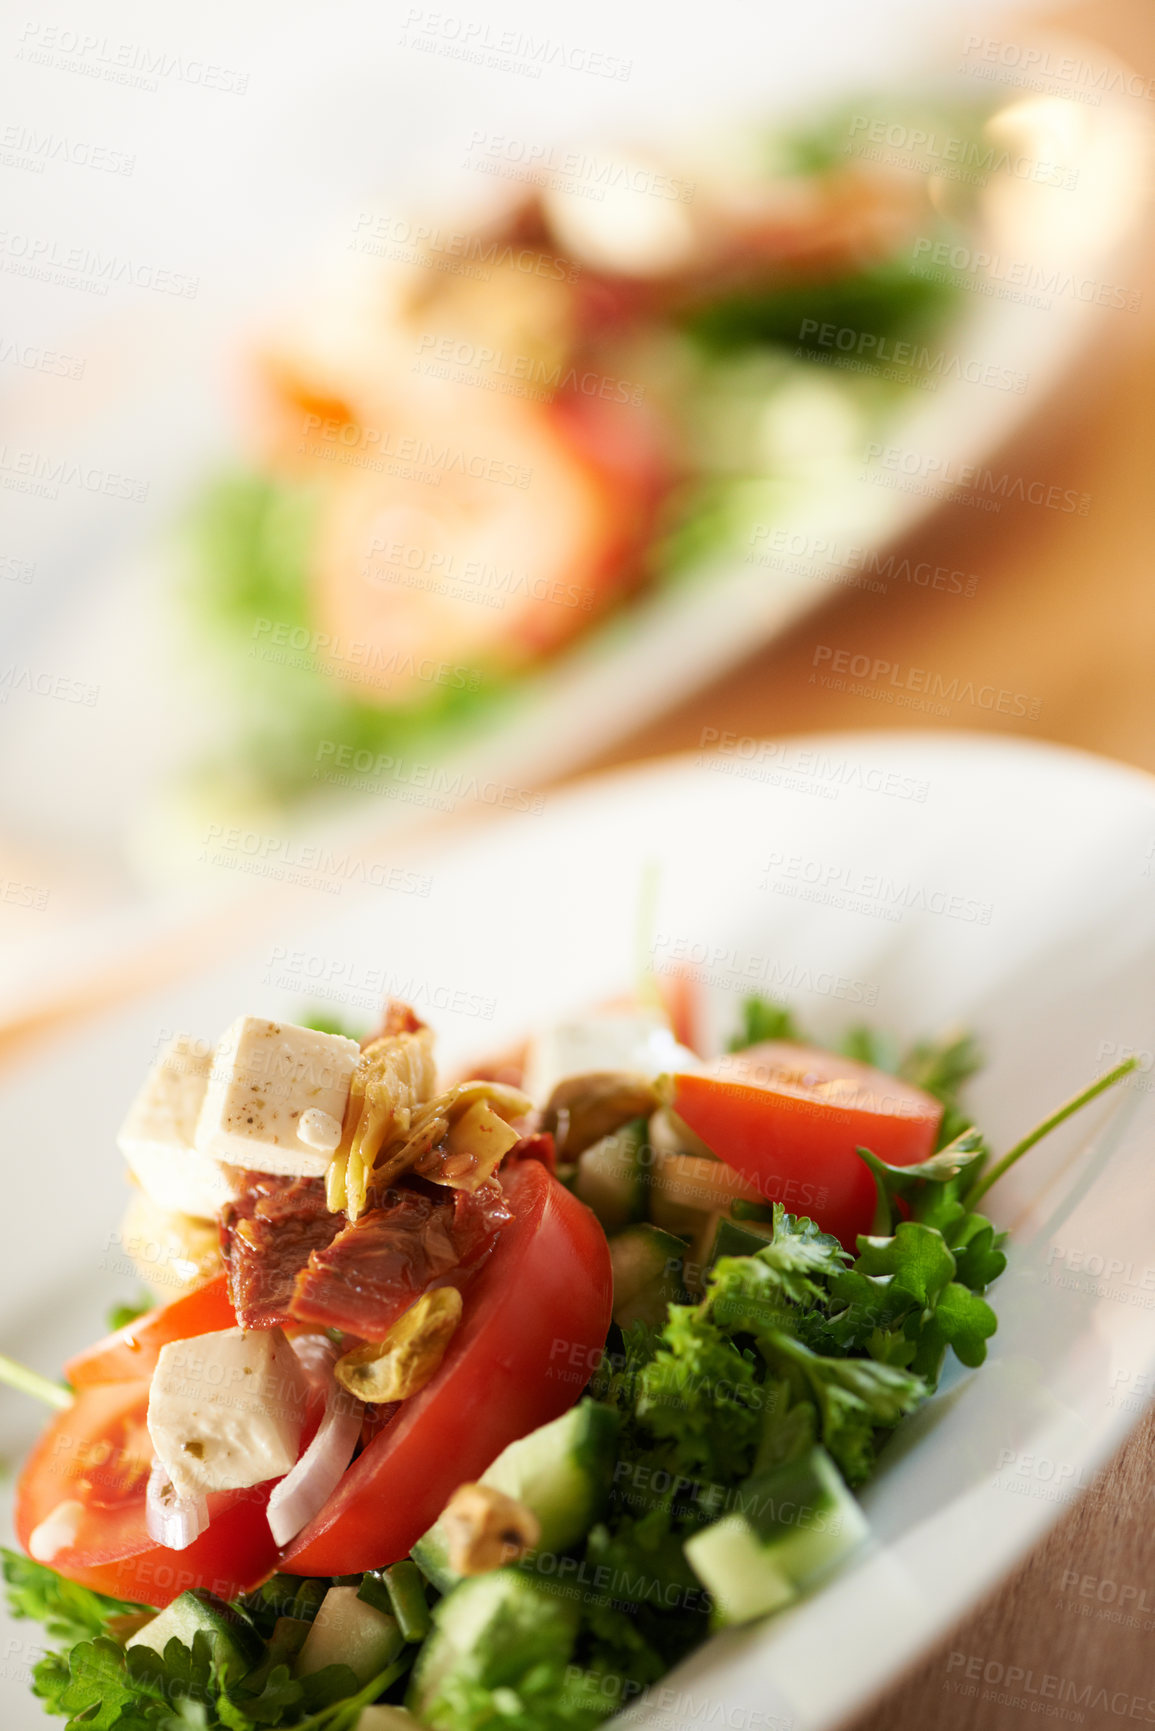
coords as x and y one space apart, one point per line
347 1631
669 1135
741 1577
287 1639
400 1591
791 1525
310 1597
721 1236
236 1646
752 1213
561 1472
647 1265
610 1178
809 1515
282 1647
685 1187
373 1590
431 1554
492 1630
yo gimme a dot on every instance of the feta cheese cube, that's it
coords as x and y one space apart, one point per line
157 1138
638 1042
169 1252
276 1096
226 1410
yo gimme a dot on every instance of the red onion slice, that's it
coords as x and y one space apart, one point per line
172 1521
304 1492
317 1354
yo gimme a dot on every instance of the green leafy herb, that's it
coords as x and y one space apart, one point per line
763 1020
68 1612
855 1398
1075 1104
884 298
122 1314
27 1381
325 1022
101 1684
942 1068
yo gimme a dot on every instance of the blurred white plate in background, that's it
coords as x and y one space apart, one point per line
237 185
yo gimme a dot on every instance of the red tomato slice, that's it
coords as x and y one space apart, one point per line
535 1322
789 1118
681 998
131 1353
98 1454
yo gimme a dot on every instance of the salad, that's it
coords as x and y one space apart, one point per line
487 434
481 1403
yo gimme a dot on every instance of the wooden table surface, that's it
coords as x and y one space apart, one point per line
1064 610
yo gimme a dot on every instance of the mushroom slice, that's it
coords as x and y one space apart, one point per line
484 1529
583 1109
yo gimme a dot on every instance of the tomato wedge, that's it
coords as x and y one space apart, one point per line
789 1119
131 1353
535 1322
97 1455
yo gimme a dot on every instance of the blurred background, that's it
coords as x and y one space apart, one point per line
405 411
400 417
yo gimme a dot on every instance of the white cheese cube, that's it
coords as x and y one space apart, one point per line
226 1410
157 1138
639 1042
276 1096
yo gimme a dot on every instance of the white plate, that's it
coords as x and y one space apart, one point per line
1021 878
